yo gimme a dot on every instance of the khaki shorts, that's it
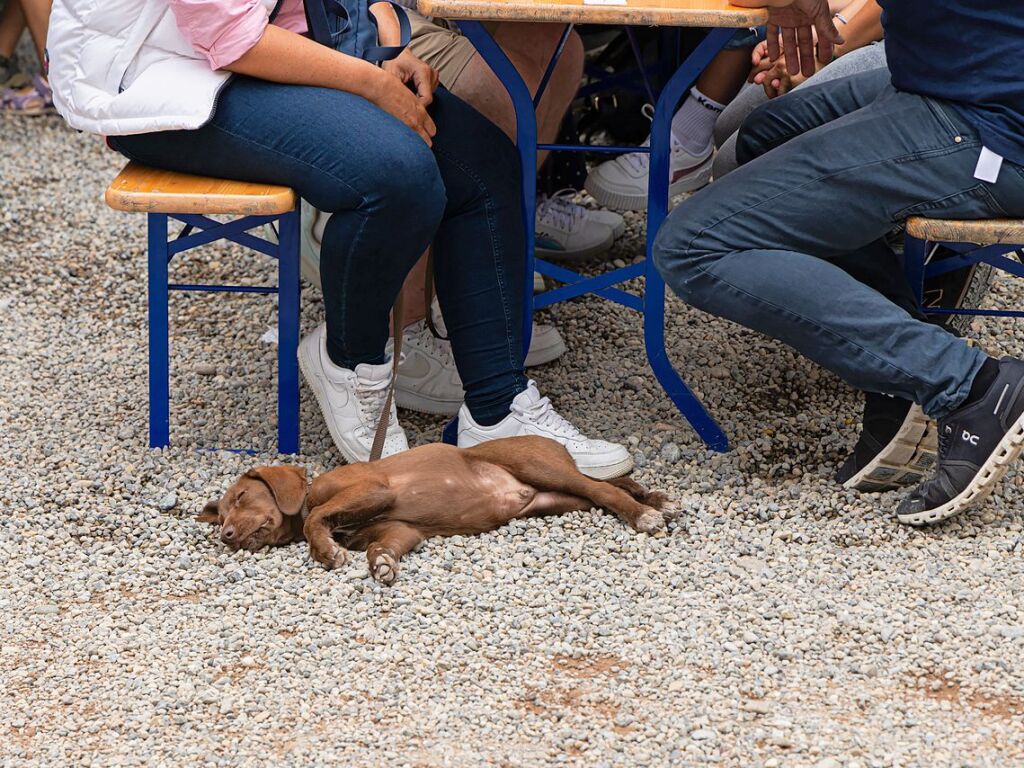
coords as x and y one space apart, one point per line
443 48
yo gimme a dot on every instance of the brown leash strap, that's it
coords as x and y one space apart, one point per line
397 317
428 294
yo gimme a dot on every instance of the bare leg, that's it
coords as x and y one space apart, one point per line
547 466
529 47
414 296
12 24
37 14
725 75
389 542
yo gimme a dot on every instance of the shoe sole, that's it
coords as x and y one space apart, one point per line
321 399
618 201
609 472
412 401
545 356
984 482
582 255
905 460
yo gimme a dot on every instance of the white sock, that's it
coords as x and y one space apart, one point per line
693 124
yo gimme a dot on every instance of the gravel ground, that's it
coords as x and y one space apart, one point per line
782 621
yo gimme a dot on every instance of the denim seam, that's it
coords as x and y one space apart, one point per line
496 250
343 302
801 318
810 182
292 158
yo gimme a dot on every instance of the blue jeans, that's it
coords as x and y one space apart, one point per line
829 170
390 197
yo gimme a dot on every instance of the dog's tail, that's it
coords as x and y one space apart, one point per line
654 499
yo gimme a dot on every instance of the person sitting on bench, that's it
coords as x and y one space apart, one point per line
829 170
398 162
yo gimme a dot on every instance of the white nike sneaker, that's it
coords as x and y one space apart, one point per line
546 345
351 401
566 231
532 414
428 380
622 183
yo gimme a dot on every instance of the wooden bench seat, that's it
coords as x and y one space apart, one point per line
169 198
141 189
981 232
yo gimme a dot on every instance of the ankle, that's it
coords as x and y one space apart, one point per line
983 380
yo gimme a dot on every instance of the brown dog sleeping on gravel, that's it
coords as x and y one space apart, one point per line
389 506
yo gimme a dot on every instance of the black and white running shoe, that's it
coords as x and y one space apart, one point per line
896 446
977 443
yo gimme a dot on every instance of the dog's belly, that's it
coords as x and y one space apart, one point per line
460 499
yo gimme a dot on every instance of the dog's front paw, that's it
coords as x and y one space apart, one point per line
332 558
384 568
650 521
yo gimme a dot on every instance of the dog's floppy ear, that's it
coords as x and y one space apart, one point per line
287 484
209 513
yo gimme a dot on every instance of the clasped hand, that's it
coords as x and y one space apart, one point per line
406 90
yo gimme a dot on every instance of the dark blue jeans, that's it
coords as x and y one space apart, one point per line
828 171
390 197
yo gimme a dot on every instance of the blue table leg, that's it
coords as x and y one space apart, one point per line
288 298
654 295
657 210
159 361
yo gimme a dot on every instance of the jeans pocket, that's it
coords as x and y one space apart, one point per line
975 202
942 114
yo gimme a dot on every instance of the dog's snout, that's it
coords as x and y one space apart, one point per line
228 534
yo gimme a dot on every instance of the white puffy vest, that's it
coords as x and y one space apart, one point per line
123 66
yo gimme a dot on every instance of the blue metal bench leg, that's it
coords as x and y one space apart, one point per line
915 252
159 362
288 303
657 210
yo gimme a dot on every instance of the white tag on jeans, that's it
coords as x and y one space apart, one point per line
988 166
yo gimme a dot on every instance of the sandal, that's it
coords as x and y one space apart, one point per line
33 101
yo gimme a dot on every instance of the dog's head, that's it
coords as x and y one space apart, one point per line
262 508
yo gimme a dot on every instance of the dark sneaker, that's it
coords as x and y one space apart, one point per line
896 447
977 443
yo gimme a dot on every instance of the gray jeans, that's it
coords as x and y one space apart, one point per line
753 96
825 173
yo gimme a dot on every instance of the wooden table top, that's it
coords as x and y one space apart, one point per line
674 13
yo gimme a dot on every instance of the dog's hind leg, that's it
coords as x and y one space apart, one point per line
547 466
388 542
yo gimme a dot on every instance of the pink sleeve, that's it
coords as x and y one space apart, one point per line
221 30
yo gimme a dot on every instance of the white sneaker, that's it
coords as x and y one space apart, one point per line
567 231
546 345
428 380
566 198
622 183
312 235
351 401
534 415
